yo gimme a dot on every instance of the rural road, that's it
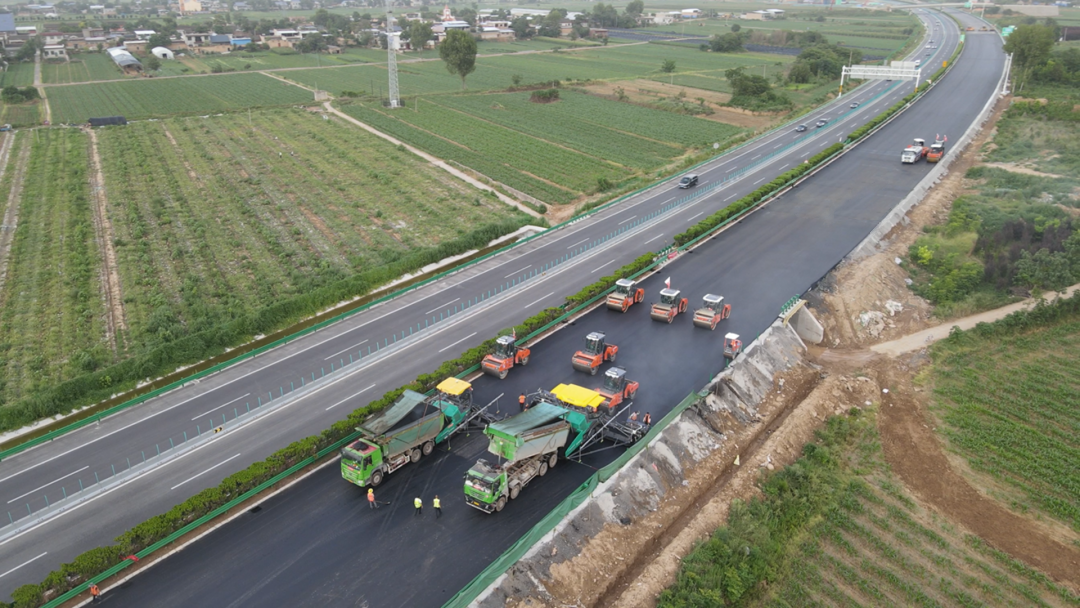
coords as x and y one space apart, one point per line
387 345
318 544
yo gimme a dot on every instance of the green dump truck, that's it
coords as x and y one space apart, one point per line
407 430
527 445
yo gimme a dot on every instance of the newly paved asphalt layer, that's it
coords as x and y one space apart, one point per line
319 544
779 259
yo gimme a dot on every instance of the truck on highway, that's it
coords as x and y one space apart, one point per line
527 446
408 430
915 152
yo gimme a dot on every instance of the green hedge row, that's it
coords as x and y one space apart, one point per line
95 561
100 385
754 197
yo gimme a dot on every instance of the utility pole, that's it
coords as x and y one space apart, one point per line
391 58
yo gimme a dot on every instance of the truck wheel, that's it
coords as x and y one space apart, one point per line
428 448
499 504
514 491
376 479
414 456
502 374
612 357
543 469
552 460
592 370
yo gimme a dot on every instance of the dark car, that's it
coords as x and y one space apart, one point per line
800 128
688 180
821 123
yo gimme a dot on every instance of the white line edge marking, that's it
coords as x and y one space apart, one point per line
760 180
601 266
205 472
350 397
539 299
515 272
577 243
49 484
438 308
627 219
348 349
698 215
220 406
452 344
653 239
730 197
32 559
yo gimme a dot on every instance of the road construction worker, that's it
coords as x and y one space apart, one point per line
419 504
647 419
633 417
371 499
521 401
438 506
95 593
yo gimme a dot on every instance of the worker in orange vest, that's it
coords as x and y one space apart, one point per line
95 592
371 499
521 401
647 419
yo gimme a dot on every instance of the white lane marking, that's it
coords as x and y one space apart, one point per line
458 342
784 167
350 397
756 157
539 299
805 155
698 215
439 308
48 484
577 243
760 180
516 272
778 145
219 407
627 219
601 266
653 239
196 476
348 349
33 559
668 201
730 197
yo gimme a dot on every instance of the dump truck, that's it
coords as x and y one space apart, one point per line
527 446
712 311
915 152
669 306
732 346
595 353
937 151
408 430
507 354
626 294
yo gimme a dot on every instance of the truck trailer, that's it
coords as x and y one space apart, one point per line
407 431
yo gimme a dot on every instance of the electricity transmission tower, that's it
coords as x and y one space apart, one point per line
391 57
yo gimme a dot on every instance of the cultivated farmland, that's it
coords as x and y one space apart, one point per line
167 97
555 152
51 310
83 67
1008 401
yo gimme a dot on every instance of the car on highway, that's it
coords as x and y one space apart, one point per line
800 128
821 123
854 105
688 180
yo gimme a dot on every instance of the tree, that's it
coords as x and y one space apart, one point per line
458 52
1030 47
735 27
157 40
522 28
726 43
419 33
153 63
550 27
635 8
467 15
668 66
605 15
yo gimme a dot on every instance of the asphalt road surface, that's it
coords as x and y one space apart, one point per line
318 544
389 344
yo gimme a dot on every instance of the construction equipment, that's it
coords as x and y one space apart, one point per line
601 416
937 151
408 430
732 346
507 354
626 294
595 353
915 152
712 311
617 388
529 443
669 306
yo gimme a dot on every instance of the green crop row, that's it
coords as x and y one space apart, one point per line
755 197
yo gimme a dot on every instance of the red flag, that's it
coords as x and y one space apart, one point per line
667 282
946 138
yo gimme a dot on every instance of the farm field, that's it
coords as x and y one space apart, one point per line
837 529
21 115
83 67
555 152
218 217
17 74
1007 403
51 309
156 98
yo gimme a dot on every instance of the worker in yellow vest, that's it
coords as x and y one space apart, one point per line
438 507
419 504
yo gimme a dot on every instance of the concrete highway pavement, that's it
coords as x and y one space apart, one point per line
318 544
388 344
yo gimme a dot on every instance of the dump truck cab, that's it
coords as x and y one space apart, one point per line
595 353
626 294
732 346
712 311
670 305
507 354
